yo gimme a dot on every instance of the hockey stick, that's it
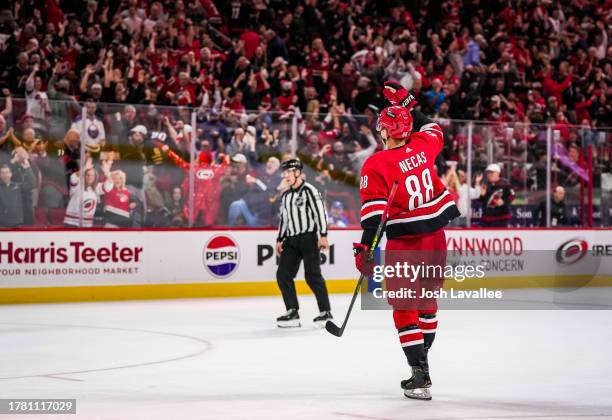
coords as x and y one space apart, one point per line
329 325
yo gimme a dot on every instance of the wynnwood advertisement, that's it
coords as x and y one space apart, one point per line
83 258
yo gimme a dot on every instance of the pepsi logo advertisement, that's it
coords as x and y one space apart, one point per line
221 256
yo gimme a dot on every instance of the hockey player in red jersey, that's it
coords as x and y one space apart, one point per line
420 210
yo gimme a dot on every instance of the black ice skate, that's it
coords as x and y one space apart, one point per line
417 387
322 319
290 320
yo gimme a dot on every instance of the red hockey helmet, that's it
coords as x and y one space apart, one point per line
397 120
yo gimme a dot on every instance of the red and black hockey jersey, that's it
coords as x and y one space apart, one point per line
422 204
495 210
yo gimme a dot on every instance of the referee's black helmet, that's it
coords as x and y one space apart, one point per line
292 164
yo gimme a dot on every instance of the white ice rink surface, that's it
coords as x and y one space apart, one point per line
225 359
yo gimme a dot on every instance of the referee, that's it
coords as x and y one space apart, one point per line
302 232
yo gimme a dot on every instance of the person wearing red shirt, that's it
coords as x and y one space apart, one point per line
582 65
554 88
54 13
287 97
235 103
521 54
449 77
535 101
182 91
418 213
207 185
563 126
582 108
451 11
251 41
118 203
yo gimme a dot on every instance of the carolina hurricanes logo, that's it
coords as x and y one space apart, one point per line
497 194
89 205
205 174
572 251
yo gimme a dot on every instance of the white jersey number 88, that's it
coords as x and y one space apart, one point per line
415 188
363 182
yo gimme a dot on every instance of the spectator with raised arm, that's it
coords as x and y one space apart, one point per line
84 201
37 102
91 129
359 154
55 163
118 203
207 186
467 193
63 105
496 196
6 136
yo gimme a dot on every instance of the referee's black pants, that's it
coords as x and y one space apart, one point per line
295 249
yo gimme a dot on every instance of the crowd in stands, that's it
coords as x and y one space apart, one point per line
104 104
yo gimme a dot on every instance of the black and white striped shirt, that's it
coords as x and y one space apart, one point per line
302 210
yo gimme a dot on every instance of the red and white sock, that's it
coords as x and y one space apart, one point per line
428 323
